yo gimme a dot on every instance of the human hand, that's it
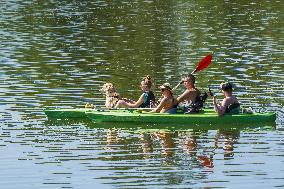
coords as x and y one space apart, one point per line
210 92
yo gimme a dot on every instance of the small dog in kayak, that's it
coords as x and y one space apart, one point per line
112 96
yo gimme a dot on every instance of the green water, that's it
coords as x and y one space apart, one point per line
60 53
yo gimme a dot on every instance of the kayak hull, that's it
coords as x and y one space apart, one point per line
66 113
202 118
207 117
80 112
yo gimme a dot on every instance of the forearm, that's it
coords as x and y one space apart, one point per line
159 107
216 105
182 97
124 104
215 102
219 108
133 105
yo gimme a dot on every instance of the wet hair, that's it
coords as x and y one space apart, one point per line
226 86
190 77
147 80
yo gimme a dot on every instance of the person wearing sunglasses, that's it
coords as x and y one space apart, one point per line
168 102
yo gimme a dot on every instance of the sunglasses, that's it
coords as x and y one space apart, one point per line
165 89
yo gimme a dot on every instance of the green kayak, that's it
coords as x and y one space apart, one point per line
134 126
207 116
80 112
66 113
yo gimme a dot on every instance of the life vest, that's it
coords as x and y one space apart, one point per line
149 98
233 108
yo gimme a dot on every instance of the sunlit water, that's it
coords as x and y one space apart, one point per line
59 53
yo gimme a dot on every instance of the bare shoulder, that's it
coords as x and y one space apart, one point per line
194 93
231 100
234 99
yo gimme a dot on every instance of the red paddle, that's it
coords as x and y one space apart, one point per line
201 65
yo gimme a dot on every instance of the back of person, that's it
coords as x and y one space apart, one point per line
232 105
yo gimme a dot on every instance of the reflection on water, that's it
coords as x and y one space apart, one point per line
59 53
139 158
119 157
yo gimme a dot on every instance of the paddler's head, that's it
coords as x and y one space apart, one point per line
146 83
188 80
228 87
166 88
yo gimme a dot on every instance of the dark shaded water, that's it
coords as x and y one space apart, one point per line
59 53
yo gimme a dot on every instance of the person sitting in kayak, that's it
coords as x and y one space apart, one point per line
230 103
146 100
189 100
168 102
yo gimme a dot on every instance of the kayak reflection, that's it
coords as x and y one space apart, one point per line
168 144
191 147
227 139
175 145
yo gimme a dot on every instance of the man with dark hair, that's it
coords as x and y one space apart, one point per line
230 103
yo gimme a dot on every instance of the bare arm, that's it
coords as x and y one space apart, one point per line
160 106
183 96
123 103
137 103
220 108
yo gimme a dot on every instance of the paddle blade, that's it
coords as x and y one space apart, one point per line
203 63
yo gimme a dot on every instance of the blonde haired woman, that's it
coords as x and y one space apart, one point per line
146 99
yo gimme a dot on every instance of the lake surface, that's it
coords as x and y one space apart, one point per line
60 53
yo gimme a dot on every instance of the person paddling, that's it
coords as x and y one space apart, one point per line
190 96
146 100
168 102
230 103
